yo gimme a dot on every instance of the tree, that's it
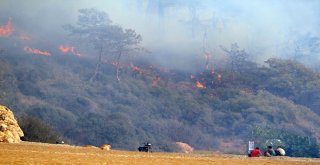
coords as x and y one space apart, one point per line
95 29
306 46
96 129
37 131
239 58
295 145
293 80
123 43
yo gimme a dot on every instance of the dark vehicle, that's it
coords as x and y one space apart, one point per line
145 148
59 142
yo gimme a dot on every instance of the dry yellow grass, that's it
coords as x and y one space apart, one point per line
38 153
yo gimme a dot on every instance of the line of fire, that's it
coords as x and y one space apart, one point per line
7 30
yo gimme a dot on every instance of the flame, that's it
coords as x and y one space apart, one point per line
36 51
24 37
137 69
64 49
200 85
6 30
67 49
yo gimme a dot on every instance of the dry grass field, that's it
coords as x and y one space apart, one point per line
38 153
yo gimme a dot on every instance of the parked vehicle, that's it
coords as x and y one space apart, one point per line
145 148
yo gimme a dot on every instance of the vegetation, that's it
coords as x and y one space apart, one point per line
37 131
132 111
294 144
32 153
160 107
94 28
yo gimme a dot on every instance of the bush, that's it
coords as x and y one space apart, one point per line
36 130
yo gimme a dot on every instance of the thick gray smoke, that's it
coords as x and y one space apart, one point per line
178 32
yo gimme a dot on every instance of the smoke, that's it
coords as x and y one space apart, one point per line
177 32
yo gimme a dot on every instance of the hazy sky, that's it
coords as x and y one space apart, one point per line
178 29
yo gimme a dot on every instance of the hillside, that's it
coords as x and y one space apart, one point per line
222 116
40 153
91 81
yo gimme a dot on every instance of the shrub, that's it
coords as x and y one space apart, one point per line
37 131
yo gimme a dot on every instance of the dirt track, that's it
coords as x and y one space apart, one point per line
39 153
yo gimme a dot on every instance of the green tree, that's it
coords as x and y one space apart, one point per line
36 130
290 79
115 129
295 144
238 58
96 29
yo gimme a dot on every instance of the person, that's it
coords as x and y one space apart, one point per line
280 151
269 152
255 153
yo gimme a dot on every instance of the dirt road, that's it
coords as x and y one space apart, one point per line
39 153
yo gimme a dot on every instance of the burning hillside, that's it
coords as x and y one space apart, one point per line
6 30
124 89
36 51
69 50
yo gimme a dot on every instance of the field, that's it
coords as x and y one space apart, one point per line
39 153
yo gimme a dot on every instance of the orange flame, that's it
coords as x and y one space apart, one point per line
36 51
137 69
7 29
200 85
67 49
